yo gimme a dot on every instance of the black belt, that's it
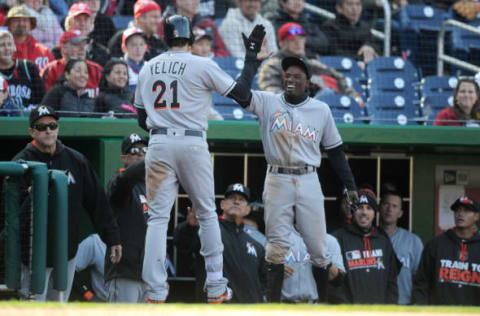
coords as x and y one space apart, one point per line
292 170
185 132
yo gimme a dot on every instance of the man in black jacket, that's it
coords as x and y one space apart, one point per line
348 35
449 271
243 257
126 194
372 266
85 194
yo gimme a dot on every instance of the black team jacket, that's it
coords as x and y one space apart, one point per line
372 267
85 194
449 271
126 194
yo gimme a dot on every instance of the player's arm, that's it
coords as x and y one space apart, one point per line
255 53
142 118
339 162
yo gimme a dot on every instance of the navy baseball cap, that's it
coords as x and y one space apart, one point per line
41 111
238 188
131 140
466 201
299 62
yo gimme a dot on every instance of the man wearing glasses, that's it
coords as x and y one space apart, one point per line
85 194
127 197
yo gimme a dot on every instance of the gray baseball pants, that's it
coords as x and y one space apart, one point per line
300 197
126 291
172 161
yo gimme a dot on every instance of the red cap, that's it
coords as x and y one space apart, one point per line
290 30
127 33
73 36
143 6
79 8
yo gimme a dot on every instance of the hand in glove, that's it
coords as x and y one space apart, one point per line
253 44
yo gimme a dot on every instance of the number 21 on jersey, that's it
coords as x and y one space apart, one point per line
160 103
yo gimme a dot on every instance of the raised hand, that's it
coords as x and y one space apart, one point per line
253 43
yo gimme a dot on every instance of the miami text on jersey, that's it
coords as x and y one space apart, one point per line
280 121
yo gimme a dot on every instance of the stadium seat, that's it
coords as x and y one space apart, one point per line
420 25
230 63
350 69
393 65
344 109
399 105
400 83
121 21
235 113
466 45
437 85
433 104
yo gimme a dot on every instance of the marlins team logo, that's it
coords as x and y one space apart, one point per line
135 138
280 121
42 110
251 249
70 177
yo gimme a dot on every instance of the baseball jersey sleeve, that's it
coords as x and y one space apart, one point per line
331 137
138 102
335 252
217 80
257 105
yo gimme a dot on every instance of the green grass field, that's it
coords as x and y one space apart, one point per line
16 308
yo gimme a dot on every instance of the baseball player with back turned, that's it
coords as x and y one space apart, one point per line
173 97
293 126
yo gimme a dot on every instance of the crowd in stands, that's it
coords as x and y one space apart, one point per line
39 38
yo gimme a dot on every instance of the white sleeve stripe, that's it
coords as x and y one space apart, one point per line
334 145
229 88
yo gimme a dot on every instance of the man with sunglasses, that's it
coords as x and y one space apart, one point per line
127 197
85 194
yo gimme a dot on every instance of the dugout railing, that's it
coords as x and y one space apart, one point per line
16 211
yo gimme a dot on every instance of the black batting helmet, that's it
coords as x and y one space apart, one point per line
177 26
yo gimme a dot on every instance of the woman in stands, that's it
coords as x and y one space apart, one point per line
114 92
68 96
466 106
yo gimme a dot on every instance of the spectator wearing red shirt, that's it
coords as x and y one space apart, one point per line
19 22
72 45
189 8
466 106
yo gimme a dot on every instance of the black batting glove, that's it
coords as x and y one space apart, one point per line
253 43
353 200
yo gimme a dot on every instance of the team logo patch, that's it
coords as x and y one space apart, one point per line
363 199
70 177
281 121
135 138
365 259
251 249
43 110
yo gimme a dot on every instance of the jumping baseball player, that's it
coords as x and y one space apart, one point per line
293 126
173 97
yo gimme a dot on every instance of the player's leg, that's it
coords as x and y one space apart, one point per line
53 294
122 290
278 197
310 216
196 177
162 188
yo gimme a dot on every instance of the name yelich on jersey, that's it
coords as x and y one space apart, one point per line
168 67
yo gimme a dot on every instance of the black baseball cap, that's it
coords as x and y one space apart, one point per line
131 140
41 111
466 201
238 188
366 196
297 61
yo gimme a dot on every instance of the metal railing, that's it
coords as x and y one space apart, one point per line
442 57
385 35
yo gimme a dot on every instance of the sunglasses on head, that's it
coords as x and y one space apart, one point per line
137 150
43 127
295 30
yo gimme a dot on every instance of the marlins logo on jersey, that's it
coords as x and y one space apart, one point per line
281 121
251 249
